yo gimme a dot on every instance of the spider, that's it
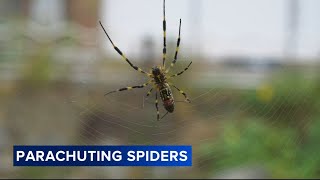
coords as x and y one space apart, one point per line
158 75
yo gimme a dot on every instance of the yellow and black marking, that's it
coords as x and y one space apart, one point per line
183 93
178 45
123 55
129 88
164 26
158 74
182 71
177 49
156 104
149 92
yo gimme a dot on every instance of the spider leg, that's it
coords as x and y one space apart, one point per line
164 24
129 88
174 75
183 93
177 50
149 92
123 55
156 103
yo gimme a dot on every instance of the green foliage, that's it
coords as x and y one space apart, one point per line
289 96
43 172
277 149
37 73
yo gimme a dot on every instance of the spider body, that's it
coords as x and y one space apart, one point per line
159 75
166 97
163 88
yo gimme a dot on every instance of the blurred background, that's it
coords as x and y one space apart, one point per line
254 84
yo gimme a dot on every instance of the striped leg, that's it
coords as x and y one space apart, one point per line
149 92
128 88
164 24
123 55
182 71
156 102
184 94
177 49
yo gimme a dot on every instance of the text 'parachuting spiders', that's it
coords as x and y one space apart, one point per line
159 75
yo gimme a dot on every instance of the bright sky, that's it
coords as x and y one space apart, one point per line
212 27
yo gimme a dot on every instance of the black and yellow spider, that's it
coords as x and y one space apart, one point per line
159 74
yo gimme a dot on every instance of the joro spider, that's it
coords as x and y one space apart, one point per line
158 74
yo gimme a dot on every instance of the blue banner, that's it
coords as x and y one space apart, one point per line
142 155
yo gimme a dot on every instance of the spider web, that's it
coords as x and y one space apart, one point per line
127 118
219 109
229 106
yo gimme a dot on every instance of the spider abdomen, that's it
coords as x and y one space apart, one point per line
166 97
169 105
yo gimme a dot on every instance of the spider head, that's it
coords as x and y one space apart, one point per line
156 71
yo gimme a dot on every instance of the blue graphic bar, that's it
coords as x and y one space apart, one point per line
141 155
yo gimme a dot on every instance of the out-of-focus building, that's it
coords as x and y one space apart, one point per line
67 28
